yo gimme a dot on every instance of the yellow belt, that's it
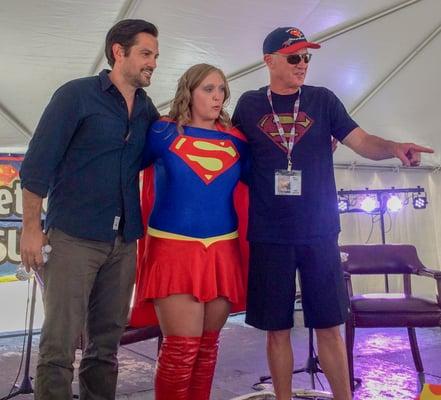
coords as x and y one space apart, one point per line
205 241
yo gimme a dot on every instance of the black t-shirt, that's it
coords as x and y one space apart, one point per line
313 214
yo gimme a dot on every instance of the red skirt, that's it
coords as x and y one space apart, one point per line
187 267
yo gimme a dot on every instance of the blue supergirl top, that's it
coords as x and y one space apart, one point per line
195 176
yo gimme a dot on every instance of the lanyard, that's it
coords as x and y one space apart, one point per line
290 143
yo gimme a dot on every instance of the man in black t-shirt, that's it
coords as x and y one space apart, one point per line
293 216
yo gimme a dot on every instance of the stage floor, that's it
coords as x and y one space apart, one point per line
382 360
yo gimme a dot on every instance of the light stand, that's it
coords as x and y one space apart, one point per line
312 363
312 368
26 386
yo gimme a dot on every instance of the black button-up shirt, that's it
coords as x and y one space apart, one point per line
86 155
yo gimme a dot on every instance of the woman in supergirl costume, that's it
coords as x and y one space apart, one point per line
191 267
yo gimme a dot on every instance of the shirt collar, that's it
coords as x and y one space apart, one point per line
105 81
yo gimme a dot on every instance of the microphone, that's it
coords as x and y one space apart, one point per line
22 275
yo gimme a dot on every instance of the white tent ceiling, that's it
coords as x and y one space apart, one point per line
380 57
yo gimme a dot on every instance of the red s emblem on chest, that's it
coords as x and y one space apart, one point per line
269 127
208 158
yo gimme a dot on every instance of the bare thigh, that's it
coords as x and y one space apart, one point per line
216 314
183 315
180 315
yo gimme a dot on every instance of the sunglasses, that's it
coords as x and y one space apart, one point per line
295 59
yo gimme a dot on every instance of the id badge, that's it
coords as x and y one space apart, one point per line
287 183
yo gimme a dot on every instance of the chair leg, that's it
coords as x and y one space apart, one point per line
349 339
415 351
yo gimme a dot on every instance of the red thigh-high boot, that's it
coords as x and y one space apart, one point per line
175 366
203 371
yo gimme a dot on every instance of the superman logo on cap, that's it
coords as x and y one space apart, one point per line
295 32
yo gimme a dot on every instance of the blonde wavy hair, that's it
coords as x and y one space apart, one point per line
180 110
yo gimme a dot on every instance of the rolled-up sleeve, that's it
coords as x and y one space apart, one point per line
51 139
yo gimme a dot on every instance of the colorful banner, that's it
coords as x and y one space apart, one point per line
11 214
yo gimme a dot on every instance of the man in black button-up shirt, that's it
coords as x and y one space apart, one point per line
85 156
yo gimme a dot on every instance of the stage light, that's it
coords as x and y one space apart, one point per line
343 205
394 204
379 201
369 204
419 202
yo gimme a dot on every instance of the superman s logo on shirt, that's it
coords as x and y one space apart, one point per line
269 127
208 158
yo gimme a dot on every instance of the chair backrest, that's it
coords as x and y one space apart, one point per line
381 259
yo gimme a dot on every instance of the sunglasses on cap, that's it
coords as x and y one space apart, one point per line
295 59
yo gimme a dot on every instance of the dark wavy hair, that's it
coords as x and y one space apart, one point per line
124 32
